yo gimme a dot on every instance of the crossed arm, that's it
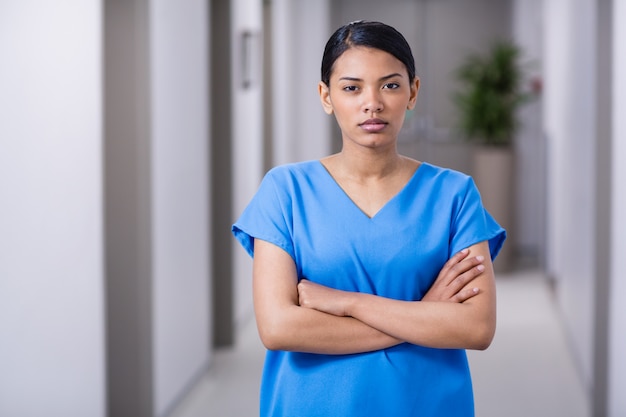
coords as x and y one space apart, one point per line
457 312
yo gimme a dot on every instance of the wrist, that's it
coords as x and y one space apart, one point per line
353 302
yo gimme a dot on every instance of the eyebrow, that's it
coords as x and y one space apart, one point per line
386 77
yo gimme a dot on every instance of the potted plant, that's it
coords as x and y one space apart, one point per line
487 103
491 94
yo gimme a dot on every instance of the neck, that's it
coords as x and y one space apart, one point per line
370 164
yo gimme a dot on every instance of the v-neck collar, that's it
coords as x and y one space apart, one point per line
396 196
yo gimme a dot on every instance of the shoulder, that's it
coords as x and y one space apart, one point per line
293 171
294 168
447 177
293 178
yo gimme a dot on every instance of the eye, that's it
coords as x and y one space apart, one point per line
350 88
391 86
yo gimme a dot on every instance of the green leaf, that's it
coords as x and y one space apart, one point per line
490 94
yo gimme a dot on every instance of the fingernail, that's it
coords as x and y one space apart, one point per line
475 290
480 258
465 250
481 268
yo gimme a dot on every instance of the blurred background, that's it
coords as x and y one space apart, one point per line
134 132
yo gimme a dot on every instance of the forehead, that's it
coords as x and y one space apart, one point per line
362 61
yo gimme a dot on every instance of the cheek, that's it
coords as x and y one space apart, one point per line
340 109
404 104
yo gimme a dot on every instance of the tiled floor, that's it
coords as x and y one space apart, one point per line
526 372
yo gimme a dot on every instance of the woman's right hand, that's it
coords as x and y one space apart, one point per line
453 279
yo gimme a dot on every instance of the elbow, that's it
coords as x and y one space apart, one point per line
277 328
482 336
271 342
268 338
481 344
272 336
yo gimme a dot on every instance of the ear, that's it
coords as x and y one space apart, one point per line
415 86
325 97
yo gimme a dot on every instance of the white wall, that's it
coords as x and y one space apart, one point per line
180 196
302 130
569 120
310 137
247 131
617 329
51 240
530 143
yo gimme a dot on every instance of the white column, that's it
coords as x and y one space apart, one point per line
617 329
247 134
569 116
52 353
179 114
301 128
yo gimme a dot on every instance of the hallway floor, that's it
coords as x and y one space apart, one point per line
527 371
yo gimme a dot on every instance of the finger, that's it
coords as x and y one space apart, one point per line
465 295
461 281
303 284
444 274
455 259
464 266
302 293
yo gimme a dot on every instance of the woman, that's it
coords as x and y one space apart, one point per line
372 271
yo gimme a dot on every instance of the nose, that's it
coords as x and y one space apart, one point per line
372 102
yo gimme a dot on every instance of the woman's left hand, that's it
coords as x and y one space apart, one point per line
322 298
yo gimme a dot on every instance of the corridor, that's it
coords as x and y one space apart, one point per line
527 371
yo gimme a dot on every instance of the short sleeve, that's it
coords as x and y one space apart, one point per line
472 223
267 217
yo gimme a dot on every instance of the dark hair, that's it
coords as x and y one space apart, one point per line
368 34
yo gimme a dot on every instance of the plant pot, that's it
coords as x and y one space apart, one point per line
494 174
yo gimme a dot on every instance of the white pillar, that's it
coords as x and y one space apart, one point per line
52 348
179 114
617 329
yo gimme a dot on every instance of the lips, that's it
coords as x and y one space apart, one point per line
373 125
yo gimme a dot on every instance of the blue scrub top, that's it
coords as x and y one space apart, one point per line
398 254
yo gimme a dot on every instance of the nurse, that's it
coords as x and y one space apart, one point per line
372 271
